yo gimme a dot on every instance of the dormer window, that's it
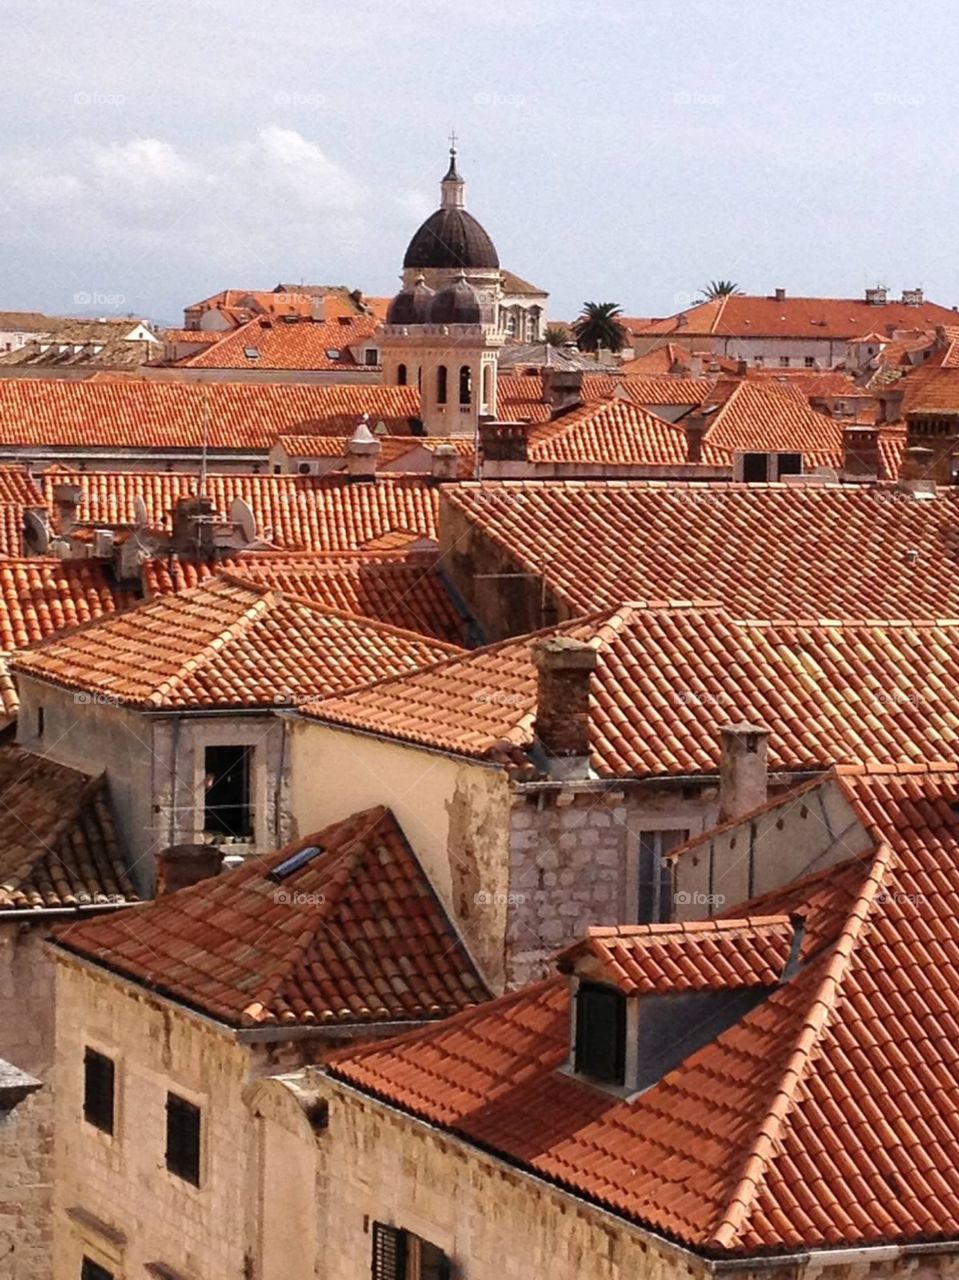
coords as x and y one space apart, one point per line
600 1050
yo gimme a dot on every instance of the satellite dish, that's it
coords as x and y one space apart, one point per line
37 531
241 514
140 516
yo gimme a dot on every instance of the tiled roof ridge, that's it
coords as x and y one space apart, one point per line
718 313
682 928
346 860
821 1008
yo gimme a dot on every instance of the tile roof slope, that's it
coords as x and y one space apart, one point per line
822 318
58 845
676 1157
282 344
615 432
325 513
670 676
373 945
520 395
392 448
764 551
769 417
170 415
227 643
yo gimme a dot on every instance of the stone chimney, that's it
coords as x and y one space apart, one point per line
564 667
742 770
503 441
876 297
780 295
917 464
912 297
937 433
181 865
444 464
860 452
695 426
193 525
562 388
66 499
890 404
362 452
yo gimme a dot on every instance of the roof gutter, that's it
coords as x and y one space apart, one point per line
39 914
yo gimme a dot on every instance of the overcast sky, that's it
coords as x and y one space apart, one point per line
628 151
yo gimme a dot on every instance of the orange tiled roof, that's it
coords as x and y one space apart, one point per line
520 395
764 551
762 416
227 643
137 414
202 337
616 432
392 448
357 935
325 513
284 344
670 676
58 846
742 315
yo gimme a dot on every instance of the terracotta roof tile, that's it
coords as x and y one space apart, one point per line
767 416
229 642
58 845
356 935
301 343
616 432
764 551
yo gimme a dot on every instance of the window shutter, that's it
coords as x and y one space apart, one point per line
389 1253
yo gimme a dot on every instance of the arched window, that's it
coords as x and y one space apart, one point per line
487 388
441 384
401 375
419 378
465 385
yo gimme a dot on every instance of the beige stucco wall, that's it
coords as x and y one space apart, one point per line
455 814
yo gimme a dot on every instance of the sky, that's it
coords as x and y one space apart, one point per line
626 152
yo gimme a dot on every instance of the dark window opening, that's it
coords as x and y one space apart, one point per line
401 1255
401 375
441 384
227 801
755 467
790 464
40 722
90 1270
466 385
370 356
183 1138
601 1033
809 362
655 878
99 1076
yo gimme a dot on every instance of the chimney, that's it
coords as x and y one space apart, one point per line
860 452
181 865
503 441
193 520
695 365
876 297
780 295
562 388
916 471
742 770
742 368
890 404
695 424
362 452
66 498
564 667
912 297
444 464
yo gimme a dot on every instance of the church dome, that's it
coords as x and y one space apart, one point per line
451 237
411 306
457 303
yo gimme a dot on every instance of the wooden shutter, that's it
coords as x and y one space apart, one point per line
389 1253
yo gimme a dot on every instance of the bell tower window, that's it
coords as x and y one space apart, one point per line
441 384
401 375
466 388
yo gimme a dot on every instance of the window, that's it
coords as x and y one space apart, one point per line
370 356
400 1255
809 362
654 899
789 464
441 384
466 386
601 1033
40 721
183 1138
759 361
401 375
90 1270
784 362
99 1075
755 467
227 801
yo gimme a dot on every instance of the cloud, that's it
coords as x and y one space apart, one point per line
142 168
281 162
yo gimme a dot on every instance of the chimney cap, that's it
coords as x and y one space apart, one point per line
564 653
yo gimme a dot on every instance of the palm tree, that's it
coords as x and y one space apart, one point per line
720 289
599 326
556 335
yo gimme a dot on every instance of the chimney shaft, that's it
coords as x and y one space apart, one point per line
562 388
362 452
780 295
565 666
695 425
503 441
444 463
742 771
66 498
860 452
181 865
193 524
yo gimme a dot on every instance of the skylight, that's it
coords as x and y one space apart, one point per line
251 353
294 862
